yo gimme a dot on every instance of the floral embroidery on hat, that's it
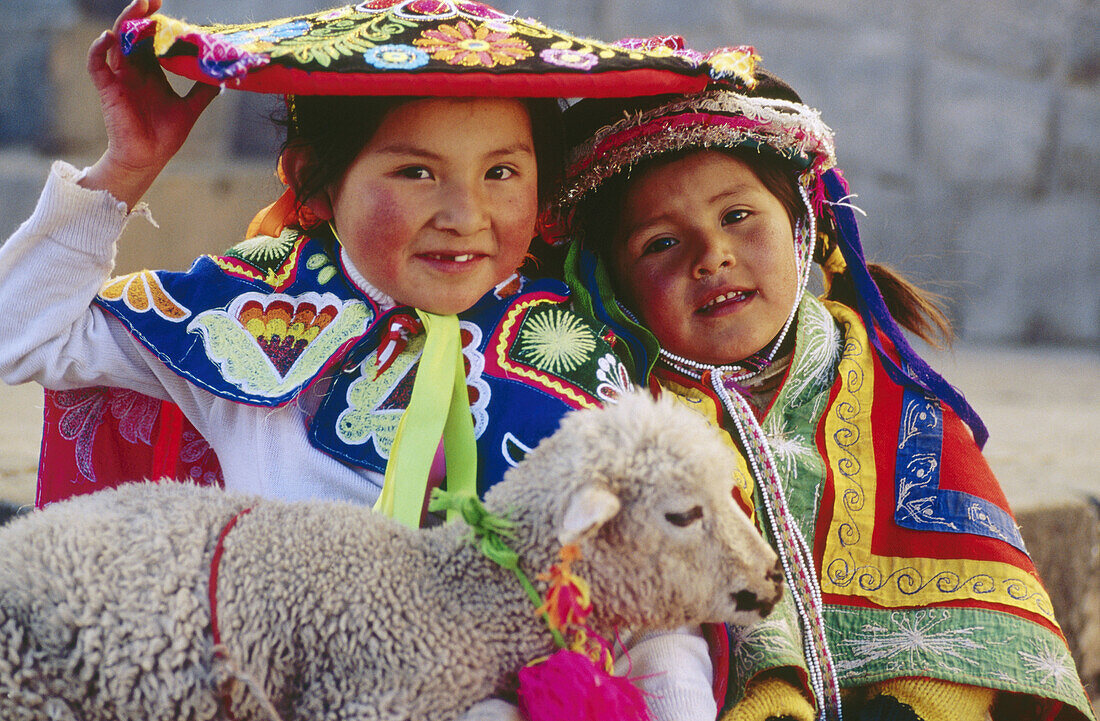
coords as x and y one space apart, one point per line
366 49
333 41
395 57
219 59
569 58
268 34
464 44
431 9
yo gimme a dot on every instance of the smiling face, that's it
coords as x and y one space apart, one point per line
705 257
440 205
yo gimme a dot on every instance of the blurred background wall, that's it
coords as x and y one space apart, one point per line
969 131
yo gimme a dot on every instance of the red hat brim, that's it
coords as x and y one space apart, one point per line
414 47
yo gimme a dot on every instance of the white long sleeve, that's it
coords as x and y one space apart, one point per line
674 669
51 269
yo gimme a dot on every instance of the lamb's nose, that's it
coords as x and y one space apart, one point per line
749 601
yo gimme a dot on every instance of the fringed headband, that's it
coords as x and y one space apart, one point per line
744 117
712 119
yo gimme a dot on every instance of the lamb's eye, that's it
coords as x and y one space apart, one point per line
685 519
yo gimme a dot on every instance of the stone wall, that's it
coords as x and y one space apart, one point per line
967 129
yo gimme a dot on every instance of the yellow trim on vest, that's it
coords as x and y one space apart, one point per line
849 567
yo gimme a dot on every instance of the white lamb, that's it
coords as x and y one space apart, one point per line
338 613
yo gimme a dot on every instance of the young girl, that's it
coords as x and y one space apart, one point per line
295 355
910 593
373 309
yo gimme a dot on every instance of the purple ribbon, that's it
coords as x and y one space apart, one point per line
872 307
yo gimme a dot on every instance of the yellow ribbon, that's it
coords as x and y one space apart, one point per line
440 384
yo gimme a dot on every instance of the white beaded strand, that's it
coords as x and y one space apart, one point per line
793 551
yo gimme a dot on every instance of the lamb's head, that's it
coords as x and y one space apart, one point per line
645 488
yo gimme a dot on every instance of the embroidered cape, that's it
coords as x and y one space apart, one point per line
276 316
922 569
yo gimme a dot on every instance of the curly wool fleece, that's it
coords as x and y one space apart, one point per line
338 613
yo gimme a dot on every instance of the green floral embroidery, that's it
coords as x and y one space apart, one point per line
341 38
776 641
556 342
375 405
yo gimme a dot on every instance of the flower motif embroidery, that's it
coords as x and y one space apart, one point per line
196 452
396 57
556 341
430 9
142 292
614 379
85 411
911 637
267 344
224 61
464 44
272 33
283 330
569 58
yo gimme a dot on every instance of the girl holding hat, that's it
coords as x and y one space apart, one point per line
696 221
374 319
421 139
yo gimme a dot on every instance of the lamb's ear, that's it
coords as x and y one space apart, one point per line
588 508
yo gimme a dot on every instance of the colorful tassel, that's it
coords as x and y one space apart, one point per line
577 681
569 685
568 600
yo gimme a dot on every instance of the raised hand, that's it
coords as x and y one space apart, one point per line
147 121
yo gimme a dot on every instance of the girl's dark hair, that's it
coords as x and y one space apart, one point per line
335 128
599 216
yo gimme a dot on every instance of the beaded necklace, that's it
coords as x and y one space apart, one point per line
794 552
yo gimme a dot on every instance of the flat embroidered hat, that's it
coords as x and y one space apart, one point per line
763 113
426 48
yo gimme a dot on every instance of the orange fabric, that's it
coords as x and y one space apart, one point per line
276 217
